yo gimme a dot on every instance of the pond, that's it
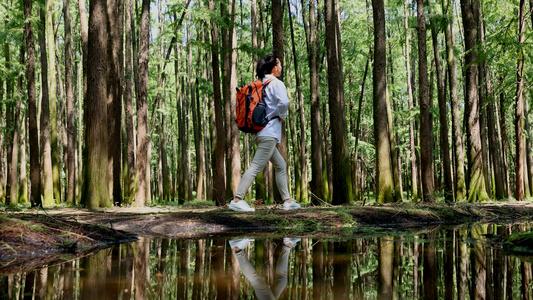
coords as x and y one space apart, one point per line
442 263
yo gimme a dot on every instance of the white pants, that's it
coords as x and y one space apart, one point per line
266 151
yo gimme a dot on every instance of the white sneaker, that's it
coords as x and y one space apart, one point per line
292 241
292 205
241 244
240 206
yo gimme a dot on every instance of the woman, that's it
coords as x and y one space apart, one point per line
277 103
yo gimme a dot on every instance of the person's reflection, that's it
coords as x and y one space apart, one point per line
261 288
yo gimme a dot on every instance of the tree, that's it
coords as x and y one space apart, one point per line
233 153
71 128
426 123
519 107
443 119
95 184
142 196
10 129
33 134
476 190
342 177
385 184
52 96
303 159
313 50
459 182
414 166
45 130
219 185
278 48
115 13
129 181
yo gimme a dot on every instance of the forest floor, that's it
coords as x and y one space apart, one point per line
30 236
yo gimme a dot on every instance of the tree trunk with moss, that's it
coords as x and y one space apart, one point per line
459 182
476 190
385 184
46 156
96 184
52 85
342 177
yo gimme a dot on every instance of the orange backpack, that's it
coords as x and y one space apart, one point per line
250 107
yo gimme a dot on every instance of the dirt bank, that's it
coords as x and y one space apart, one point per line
175 222
29 236
30 240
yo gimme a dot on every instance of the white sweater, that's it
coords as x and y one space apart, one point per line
277 104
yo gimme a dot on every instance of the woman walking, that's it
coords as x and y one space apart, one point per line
277 104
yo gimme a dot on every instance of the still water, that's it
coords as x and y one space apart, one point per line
444 263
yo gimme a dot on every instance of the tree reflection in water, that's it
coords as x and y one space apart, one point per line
433 264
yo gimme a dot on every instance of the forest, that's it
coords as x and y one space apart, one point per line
126 102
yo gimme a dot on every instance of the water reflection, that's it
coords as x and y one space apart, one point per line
464 263
258 282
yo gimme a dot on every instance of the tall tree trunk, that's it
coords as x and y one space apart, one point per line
443 120
129 184
519 107
342 177
357 130
114 91
71 113
197 123
52 85
14 184
233 153
219 185
477 191
483 94
529 148
426 123
504 143
96 184
385 183
278 50
494 144
395 157
10 126
33 134
317 170
142 162
2 138
412 143
459 182
46 159
302 146
23 185
200 151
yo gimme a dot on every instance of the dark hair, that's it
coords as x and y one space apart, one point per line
265 65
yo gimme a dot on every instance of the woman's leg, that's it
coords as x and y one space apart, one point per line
265 148
261 288
281 174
